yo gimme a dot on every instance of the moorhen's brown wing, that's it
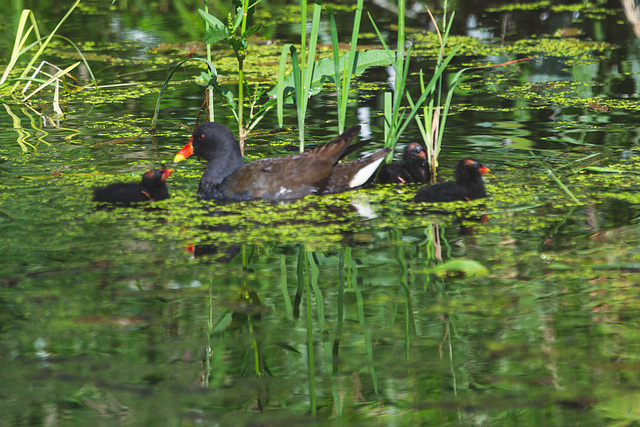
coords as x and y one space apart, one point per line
283 178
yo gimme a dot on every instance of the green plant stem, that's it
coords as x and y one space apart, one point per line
241 82
343 76
399 88
212 71
300 98
306 71
210 88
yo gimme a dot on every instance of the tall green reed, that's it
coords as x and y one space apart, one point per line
343 75
302 73
307 80
397 118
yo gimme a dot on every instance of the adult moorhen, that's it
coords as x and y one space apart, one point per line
469 185
151 187
227 178
413 167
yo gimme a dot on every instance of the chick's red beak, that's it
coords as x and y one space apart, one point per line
186 151
166 174
484 170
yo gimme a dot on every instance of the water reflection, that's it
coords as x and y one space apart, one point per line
337 312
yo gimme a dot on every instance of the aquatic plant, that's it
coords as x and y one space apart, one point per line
308 80
302 73
396 118
236 34
23 33
434 116
343 74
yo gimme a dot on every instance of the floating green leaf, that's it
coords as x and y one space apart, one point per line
468 267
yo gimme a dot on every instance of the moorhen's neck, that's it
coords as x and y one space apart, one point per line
216 144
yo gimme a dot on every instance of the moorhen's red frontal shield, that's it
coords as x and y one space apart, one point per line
185 152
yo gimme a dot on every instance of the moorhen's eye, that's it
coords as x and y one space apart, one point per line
202 136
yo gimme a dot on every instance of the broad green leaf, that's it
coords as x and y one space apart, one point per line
217 30
468 267
212 20
214 35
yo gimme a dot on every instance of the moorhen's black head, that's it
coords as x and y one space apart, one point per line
155 177
154 183
211 141
469 185
469 172
414 153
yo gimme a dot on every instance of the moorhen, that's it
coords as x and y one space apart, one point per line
151 187
413 167
469 185
227 178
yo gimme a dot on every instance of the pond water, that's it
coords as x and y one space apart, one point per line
352 308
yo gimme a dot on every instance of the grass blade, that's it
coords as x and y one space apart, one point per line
58 74
156 112
43 46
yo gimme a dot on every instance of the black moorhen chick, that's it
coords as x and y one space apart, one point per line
151 187
469 185
413 167
228 178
